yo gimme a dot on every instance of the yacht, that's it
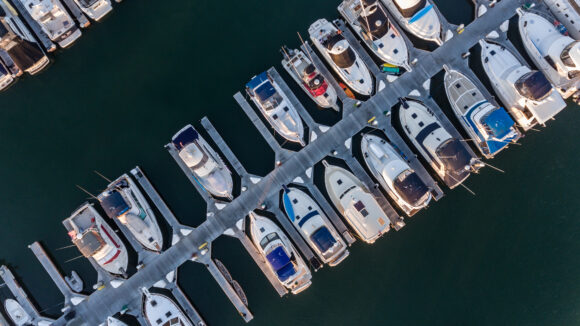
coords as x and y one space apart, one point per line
276 107
96 239
394 174
54 20
95 9
123 201
368 18
16 313
311 222
340 55
418 17
207 167
527 94
19 43
491 128
303 71
6 78
355 203
283 259
446 154
567 12
160 310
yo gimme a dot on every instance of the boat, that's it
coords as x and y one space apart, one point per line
340 55
160 310
17 40
418 17
490 127
206 166
123 201
112 321
555 54
447 155
313 226
95 9
276 107
54 20
526 94
305 74
6 78
96 240
358 206
368 18
16 313
75 282
394 174
567 12
283 259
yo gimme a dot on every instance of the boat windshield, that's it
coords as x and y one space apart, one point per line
323 239
88 3
377 21
340 51
89 243
565 55
410 187
453 155
408 8
174 322
534 86
269 238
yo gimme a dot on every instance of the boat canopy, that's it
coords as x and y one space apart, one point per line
114 204
281 263
344 59
265 91
408 8
256 81
410 187
453 155
534 86
89 243
323 239
499 122
377 21
185 137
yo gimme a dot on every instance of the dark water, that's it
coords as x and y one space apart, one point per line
508 256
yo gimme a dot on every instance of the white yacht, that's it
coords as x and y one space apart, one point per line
95 9
567 12
340 55
16 313
355 203
6 78
122 200
205 164
394 174
96 239
54 20
368 18
491 128
276 107
283 259
446 154
314 226
527 94
303 71
160 310
418 17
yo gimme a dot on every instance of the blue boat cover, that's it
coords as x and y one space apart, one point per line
265 91
323 239
280 262
288 206
420 14
113 204
185 137
499 122
256 81
285 272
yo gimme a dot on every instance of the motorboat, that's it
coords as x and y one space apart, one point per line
526 94
160 310
54 20
16 313
305 74
340 55
123 201
276 108
6 78
96 240
418 17
206 166
368 18
394 174
353 200
568 13
490 127
283 259
313 225
447 155
95 9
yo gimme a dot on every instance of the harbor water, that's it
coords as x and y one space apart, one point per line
506 256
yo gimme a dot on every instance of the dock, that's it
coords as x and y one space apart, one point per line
77 13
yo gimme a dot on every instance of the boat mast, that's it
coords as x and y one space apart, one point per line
290 61
305 48
367 21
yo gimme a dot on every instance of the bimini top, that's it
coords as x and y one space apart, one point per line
339 50
454 155
376 21
410 187
499 122
533 85
256 81
323 239
89 243
280 262
113 203
185 137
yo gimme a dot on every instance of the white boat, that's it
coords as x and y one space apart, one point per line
567 12
491 128
305 74
96 240
401 182
95 9
418 17
16 313
283 259
111 321
276 107
446 154
123 201
207 167
54 20
340 55
368 18
160 310
6 78
355 203
527 94
315 228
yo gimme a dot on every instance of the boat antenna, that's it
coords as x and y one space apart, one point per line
305 48
75 258
65 247
87 192
493 167
102 176
367 21
461 184
289 61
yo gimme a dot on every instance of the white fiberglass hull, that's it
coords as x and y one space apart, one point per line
158 307
567 12
16 313
425 24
